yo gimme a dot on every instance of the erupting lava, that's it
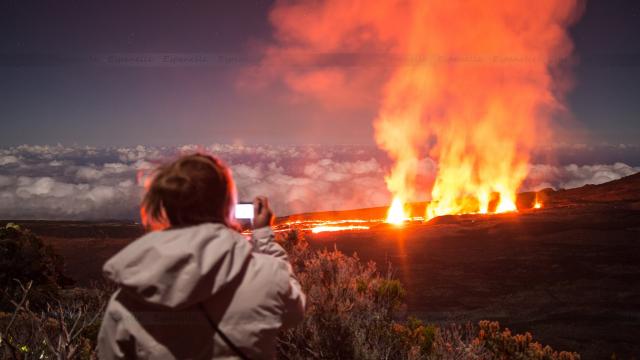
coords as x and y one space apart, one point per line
397 214
471 84
478 111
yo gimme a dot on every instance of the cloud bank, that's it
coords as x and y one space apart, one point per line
85 183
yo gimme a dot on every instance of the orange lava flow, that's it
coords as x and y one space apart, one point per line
325 228
318 226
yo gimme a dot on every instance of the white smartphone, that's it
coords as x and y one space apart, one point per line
244 211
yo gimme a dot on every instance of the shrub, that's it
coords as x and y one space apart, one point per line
453 342
24 258
354 312
503 345
350 307
66 330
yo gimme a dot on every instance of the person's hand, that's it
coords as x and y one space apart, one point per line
262 213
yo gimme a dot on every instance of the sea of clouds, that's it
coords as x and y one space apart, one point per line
87 183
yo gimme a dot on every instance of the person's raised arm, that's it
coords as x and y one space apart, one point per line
263 237
263 241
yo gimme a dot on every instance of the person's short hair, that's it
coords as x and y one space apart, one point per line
191 190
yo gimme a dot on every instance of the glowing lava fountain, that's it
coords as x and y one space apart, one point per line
479 106
397 214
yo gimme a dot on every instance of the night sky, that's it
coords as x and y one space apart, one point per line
60 80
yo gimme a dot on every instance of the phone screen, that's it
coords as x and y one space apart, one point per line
244 211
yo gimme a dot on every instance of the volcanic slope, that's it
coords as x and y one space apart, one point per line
568 272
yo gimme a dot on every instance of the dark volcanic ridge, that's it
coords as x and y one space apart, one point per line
624 192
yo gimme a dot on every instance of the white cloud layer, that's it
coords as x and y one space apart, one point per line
572 175
59 182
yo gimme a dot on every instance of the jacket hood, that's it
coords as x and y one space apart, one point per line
180 267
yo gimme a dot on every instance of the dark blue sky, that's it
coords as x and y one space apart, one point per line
59 82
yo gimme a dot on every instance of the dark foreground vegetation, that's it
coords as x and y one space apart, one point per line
354 311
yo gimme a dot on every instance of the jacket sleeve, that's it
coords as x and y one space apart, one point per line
114 341
293 297
263 242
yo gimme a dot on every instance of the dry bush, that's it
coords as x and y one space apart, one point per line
504 345
456 342
66 330
350 307
354 312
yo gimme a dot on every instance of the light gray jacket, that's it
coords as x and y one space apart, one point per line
168 280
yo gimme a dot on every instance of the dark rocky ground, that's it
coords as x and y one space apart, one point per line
569 273
570 276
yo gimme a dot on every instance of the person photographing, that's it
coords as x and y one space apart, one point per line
194 287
